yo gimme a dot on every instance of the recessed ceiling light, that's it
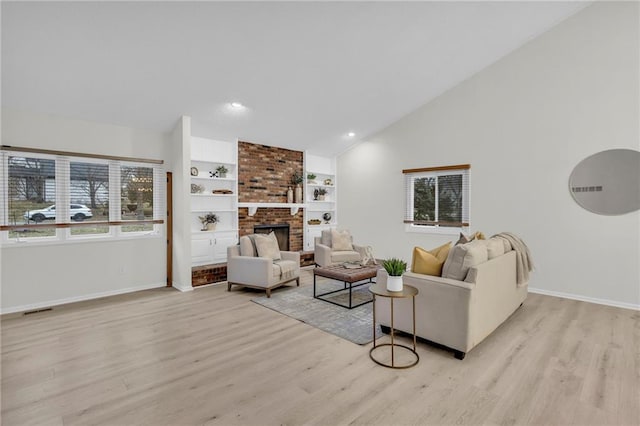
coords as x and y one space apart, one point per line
236 105
351 134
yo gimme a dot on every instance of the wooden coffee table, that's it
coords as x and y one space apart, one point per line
351 278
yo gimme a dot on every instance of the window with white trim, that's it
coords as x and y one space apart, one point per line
437 198
61 196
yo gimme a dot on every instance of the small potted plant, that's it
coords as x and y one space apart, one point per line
395 268
321 193
222 171
311 178
209 221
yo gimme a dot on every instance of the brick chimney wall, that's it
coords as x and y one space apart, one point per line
264 175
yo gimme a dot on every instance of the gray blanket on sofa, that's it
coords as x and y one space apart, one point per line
524 262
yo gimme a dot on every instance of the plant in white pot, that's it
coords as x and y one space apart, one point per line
395 268
209 221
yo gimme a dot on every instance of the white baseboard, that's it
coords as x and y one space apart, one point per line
181 288
49 303
585 299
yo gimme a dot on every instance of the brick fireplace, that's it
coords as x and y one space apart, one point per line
264 175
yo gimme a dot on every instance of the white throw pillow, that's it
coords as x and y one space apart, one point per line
462 257
267 246
341 240
495 248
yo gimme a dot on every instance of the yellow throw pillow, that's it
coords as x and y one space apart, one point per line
430 262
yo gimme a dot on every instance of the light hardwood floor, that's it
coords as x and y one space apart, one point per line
161 357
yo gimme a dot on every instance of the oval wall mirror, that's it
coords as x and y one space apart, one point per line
608 182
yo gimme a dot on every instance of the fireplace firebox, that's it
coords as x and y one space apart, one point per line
281 231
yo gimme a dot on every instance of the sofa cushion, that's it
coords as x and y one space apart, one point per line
462 257
429 262
495 248
247 247
341 240
464 239
267 246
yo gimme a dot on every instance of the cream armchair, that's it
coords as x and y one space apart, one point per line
261 272
325 255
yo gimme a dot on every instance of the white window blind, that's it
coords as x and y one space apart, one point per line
437 196
69 195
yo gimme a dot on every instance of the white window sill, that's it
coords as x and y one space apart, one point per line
440 230
52 241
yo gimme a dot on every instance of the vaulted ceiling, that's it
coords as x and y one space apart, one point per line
307 72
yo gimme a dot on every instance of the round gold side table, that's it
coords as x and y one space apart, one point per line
380 290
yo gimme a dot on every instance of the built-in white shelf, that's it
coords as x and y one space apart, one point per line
213 195
213 178
253 207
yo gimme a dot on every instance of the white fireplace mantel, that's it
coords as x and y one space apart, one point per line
253 207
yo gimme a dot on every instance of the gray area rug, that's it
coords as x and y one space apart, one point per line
354 324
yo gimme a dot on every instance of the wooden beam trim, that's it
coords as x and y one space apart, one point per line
437 169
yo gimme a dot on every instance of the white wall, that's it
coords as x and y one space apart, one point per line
37 276
523 124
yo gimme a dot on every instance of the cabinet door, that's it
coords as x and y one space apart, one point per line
222 241
312 232
202 251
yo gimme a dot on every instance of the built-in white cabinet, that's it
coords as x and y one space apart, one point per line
321 197
214 189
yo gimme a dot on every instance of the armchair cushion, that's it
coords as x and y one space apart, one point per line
267 246
341 240
325 238
247 247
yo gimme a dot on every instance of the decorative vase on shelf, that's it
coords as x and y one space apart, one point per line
210 226
289 195
298 196
394 283
315 194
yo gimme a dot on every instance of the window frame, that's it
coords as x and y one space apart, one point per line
63 223
412 174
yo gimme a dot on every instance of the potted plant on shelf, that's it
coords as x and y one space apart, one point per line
395 268
321 193
222 171
209 221
297 179
311 178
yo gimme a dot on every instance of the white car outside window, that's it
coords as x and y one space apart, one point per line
78 212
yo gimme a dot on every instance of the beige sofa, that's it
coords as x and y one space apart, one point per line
457 314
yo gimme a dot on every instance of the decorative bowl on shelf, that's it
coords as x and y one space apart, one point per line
314 221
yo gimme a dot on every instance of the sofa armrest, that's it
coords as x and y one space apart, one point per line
249 270
412 277
442 309
322 255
